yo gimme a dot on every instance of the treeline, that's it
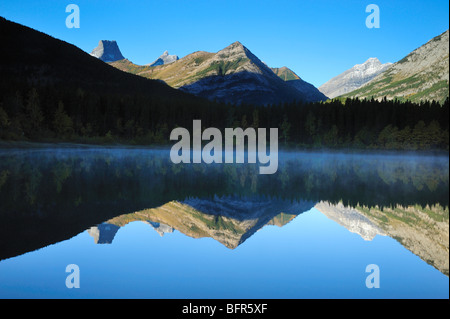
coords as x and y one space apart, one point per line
385 124
44 113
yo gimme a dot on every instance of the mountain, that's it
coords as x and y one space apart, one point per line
233 75
421 75
353 78
164 58
107 51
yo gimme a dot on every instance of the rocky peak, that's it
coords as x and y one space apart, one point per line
107 51
233 49
371 66
353 78
165 58
372 61
237 44
239 58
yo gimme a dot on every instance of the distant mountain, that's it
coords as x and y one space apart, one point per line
107 51
421 75
165 58
233 75
308 90
353 78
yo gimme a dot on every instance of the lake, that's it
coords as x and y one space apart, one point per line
138 226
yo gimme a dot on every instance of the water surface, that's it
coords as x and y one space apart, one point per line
139 226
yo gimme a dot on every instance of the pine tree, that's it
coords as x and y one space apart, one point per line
285 127
33 117
4 119
62 123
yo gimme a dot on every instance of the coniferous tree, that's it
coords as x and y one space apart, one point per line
62 123
33 117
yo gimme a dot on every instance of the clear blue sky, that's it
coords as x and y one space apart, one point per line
318 39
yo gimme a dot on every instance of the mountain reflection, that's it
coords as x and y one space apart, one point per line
51 195
422 230
228 220
427 236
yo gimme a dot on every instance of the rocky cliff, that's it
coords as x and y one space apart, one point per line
107 51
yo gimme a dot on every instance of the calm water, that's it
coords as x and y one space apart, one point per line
138 226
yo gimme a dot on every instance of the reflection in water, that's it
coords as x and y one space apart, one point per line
355 221
422 230
103 233
48 196
427 237
228 220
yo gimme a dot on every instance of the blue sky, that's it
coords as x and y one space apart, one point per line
318 39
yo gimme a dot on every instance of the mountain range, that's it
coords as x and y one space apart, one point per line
232 75
236 75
